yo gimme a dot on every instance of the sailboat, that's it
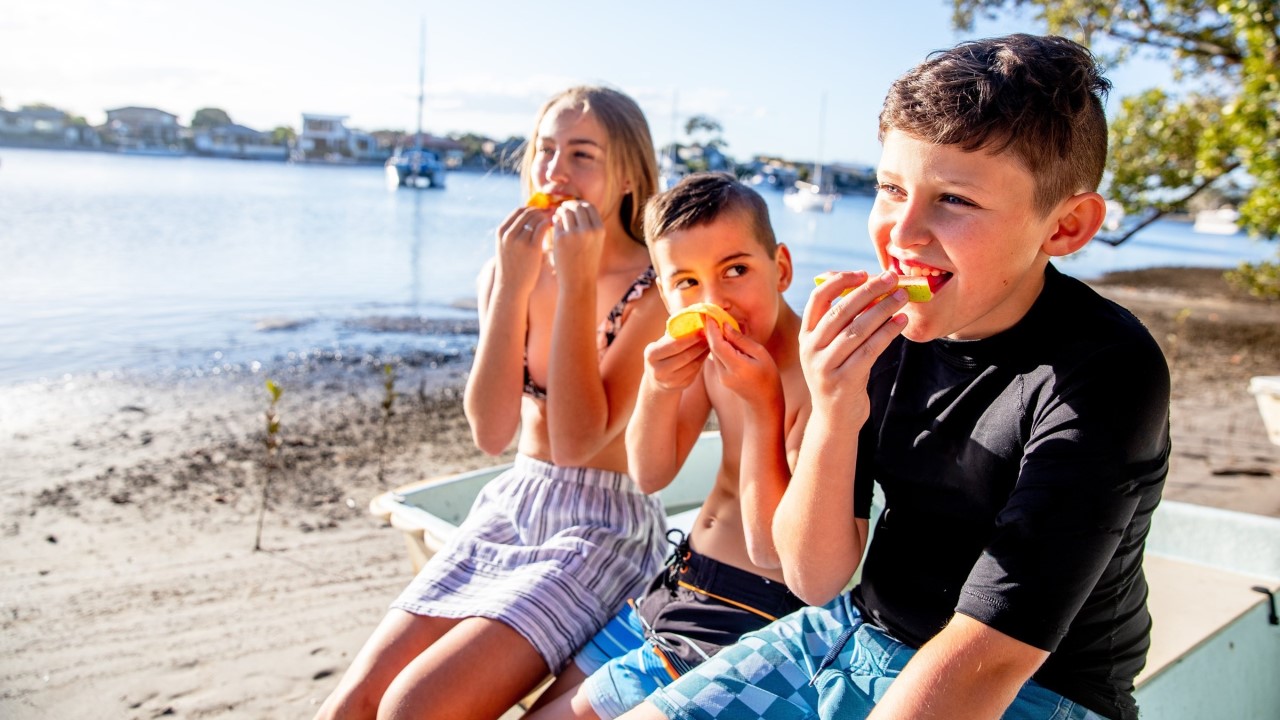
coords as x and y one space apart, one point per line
812 196
670 169
416 167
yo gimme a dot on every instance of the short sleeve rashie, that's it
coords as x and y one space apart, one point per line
1020 473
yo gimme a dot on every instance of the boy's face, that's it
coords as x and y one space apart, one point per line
721 262
968 220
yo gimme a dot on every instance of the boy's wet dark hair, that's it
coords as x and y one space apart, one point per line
702 198
1038 97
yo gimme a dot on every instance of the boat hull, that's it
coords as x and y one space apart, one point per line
404 171
1213 651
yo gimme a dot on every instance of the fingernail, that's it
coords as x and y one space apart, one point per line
888 275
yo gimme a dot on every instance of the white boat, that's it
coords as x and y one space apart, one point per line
813 196
416 167
1220 221
1215 643
809 197
670 173
1114 217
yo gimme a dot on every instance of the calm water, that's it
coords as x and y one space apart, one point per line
191 265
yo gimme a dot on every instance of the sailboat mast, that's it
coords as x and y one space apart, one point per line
422 80
822 122
675 101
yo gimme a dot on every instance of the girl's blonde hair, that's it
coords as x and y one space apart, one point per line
630 153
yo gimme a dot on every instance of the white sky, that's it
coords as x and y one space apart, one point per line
760 67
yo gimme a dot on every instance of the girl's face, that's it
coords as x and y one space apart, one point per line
572 158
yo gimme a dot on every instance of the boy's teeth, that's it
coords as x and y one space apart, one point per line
922 272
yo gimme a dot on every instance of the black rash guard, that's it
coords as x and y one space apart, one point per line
1020 473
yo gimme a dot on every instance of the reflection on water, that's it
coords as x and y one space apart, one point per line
111 261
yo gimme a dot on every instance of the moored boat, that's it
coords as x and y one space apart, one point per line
416 169
808 197
1220 221
1212 574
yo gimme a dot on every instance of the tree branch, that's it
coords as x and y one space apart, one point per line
1157 212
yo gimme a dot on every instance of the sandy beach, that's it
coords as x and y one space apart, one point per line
131 587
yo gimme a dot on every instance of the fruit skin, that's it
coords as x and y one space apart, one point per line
547 201
917 287
693 318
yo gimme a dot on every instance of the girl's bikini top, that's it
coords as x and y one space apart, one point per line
606 332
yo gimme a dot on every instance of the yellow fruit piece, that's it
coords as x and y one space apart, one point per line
693 318
917 287
547 201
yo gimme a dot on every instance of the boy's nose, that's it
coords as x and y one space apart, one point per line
909 225
715 297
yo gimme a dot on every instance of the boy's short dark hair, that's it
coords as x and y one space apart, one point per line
1039 97
702 198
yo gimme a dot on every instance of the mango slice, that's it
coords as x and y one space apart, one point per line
694 318
547 201
917 287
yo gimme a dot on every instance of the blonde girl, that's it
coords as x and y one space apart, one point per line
552 548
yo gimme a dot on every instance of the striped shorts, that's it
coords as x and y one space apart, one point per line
554 552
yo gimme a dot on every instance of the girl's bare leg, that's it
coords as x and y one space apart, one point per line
397 640
479 669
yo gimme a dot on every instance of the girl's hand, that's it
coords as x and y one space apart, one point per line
519 253
745 366
841 337
577 239
671 364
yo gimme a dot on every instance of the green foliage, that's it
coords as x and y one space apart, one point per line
208 117
1168 148
1261 280
707 127
273 443
283 135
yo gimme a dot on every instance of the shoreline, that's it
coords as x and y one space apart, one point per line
132 588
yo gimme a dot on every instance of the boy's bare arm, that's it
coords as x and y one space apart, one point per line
746 368
966 671
671 410
819 541
495 385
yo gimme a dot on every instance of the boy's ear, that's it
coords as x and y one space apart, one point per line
783 259
1079 219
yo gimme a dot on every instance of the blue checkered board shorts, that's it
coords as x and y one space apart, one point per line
819 662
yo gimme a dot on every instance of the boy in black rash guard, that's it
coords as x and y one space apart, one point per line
1017 424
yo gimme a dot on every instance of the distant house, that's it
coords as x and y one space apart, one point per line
704 157
236 141
142 129
41 125
33 120
327 138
